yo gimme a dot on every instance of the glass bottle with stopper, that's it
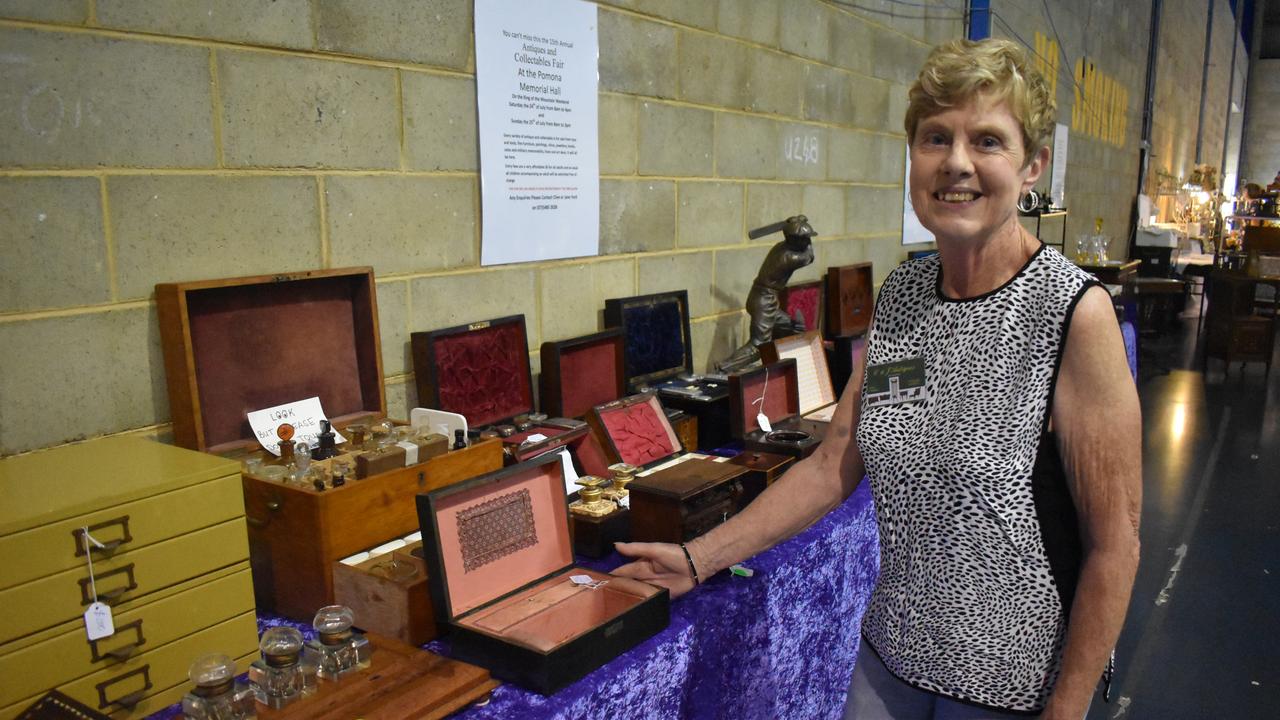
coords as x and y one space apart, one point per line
459 439
326 445
341 650
286 671
216 694
591 501
285 434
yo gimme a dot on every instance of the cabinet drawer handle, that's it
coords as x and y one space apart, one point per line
272 505
131 700
109 596
108 546
124 652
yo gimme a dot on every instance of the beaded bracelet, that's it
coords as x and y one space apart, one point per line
692 570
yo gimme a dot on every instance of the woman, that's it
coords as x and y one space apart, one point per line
1008 496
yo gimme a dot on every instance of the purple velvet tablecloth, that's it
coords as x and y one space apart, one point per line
780 644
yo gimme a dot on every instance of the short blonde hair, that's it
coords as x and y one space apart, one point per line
958 71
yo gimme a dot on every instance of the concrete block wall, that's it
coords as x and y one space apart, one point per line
1260 159
145 142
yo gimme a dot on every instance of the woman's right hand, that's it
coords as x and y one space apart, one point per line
657 563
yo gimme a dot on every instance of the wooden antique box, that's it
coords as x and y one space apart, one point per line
805 301
171 561
481 371
817 394
241 344
388 593
849 299
772 390
582 372
676 496
504 585
659 357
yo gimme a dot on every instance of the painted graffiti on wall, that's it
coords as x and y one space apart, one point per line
1101 108
1047 53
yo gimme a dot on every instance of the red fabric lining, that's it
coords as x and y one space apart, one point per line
639 434
484 375
807 299
778 403
588 377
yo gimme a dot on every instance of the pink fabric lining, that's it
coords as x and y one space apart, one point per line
782 400
553 550
640 432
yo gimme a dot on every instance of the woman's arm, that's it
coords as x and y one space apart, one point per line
803 494
1098 423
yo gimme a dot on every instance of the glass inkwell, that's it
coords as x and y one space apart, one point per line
340 649
787 437
286 671
382 431
301 461
623 474
591 501
217 694
357 436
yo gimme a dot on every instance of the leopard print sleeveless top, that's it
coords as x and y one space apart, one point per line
978 546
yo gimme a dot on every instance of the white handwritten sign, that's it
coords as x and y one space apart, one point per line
303 415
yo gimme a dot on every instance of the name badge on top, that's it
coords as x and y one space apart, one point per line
894 383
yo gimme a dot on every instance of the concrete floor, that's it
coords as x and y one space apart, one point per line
1202 638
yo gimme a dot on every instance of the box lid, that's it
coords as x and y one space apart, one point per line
656 328
479 370
71 480
495 534
850 298
635 430
816 390
805 300
236 345
687 479
595 370
772 389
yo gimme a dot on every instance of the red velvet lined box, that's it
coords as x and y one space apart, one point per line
675 495
582 372
481 371
817 395
807 299
777 385
499 563
241 344
849 299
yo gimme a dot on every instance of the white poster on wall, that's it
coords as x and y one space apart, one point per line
1058 177
913 233
536 78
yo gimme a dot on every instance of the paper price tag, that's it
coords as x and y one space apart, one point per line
581 579
97 621
763 421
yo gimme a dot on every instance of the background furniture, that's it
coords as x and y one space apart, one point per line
1236 332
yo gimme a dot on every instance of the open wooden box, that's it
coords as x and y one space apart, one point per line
849 299
659 357
240 344
500 566
775 391
806 300
582 372
481 371
676 495
817 395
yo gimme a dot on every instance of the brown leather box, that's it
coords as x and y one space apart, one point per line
240 344
773 390
849 299
503 583
676 495
481 371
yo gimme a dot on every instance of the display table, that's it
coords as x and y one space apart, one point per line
780 644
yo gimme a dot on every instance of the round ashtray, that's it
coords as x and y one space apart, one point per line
794 437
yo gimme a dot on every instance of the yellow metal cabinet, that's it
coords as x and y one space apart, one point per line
174 570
